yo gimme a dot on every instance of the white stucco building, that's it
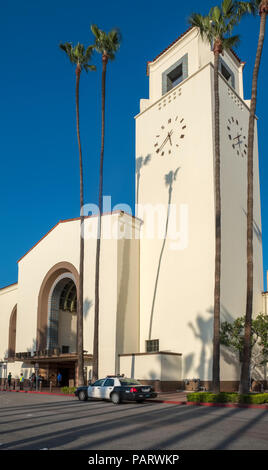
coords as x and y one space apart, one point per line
157 268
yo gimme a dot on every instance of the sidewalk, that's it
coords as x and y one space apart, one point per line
172 398
44 390
178 398
167 397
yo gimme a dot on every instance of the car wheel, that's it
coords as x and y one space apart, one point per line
139 401
82 395
115 397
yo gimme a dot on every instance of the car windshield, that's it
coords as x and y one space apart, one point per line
99 383
125 381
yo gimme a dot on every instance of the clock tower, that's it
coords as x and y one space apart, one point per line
175 198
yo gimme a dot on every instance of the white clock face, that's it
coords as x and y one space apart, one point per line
170 136
237 137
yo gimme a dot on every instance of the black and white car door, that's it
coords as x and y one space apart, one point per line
95 390
107 388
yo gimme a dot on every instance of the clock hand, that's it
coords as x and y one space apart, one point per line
167 137
238 142
163 143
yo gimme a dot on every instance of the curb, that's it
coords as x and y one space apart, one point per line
219 405
168 402
40 393
229 405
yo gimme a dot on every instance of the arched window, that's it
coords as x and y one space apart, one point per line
62 305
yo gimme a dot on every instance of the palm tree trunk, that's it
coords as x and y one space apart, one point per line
217 176
95 372
245 369
80 361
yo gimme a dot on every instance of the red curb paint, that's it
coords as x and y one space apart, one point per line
221 405
229 405
42 393
170 402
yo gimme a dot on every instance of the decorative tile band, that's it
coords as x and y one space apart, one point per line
235 99
168 99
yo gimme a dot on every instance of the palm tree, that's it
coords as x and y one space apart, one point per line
260 6
216 28
80 57
106 44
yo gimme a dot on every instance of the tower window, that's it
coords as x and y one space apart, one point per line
152 345
175 74
227 73
175 77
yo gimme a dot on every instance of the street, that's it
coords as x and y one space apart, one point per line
29 421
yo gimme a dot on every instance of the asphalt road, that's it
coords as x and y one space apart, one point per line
29 421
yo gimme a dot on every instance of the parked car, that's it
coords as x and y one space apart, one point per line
117 389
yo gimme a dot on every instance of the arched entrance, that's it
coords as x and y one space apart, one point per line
62 315
44 299
56 339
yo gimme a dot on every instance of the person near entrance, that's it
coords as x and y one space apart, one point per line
9 380
21 381
32 380
59 379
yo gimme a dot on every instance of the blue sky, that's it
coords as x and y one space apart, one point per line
38 147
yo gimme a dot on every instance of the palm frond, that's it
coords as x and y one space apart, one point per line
218 25
106 43
229 43
251 7
88 67
78 55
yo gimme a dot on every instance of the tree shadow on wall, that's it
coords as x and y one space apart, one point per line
169 178
256 229
230 357
87 306
187 364
140 163
122 300
203 332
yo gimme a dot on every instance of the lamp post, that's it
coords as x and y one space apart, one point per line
5 368
36 368
3 364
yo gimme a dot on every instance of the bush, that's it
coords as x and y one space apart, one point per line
223 397
255 399
68 390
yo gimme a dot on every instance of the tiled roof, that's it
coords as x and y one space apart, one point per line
178 39
170 45
9 285
75 219
236 56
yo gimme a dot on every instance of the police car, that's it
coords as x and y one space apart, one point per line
117 389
